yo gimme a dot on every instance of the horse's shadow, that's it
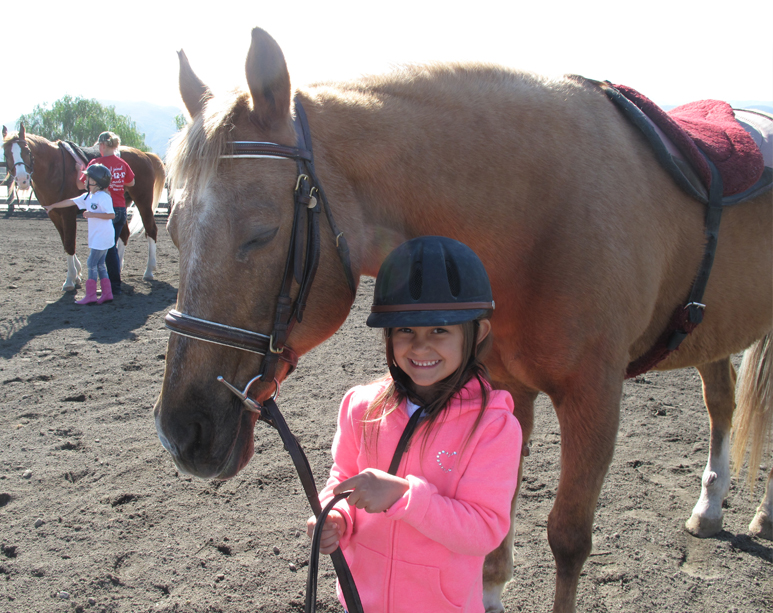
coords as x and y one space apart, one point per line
747 544
107 324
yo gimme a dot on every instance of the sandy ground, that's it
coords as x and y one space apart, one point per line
94 516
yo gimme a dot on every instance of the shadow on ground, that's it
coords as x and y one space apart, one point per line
107 324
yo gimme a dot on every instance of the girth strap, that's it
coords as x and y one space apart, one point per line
686 318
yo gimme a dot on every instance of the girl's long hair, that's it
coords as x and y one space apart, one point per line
401 386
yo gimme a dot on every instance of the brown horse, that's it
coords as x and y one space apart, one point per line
46 166
589 244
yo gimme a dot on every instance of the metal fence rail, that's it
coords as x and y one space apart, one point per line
27 204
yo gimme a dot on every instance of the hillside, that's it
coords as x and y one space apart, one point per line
154 121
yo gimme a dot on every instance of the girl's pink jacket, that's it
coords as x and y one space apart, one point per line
425 554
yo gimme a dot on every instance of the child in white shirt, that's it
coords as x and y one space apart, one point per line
97 205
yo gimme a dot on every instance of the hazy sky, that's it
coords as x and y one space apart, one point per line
673 51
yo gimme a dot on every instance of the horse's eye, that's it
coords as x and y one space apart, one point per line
259 239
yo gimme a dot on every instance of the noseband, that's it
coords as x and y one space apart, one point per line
300 265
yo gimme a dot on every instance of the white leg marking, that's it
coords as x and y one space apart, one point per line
78 269
120 247
706 517
492 599
72 274
148 276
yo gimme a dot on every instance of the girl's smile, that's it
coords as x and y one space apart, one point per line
428 354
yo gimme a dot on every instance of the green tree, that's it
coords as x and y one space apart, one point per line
180 121
81 121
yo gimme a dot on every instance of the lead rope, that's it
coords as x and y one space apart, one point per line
311 579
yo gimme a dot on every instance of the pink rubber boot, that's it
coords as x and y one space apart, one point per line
107 291
91 292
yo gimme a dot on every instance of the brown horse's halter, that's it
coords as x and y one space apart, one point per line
300 266
24 146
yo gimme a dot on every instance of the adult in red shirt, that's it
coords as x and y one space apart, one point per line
122 177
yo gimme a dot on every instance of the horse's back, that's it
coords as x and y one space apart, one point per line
566 199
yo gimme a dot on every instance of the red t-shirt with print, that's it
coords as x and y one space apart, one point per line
122 174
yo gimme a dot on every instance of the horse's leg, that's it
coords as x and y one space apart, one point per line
762 524
65 223
498 567
151 231
719 396
148 276
588 412
120 245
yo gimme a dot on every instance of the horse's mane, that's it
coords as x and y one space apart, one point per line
194 152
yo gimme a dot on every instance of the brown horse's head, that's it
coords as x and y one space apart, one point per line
232 222
18 157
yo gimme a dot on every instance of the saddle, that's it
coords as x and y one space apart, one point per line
81 155
691 137
720 157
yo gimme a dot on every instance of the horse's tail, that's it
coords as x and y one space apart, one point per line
159 174
753 420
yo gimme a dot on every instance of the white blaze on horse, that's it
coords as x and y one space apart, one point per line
51 170
589 243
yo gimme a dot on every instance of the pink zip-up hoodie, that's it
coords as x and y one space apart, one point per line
426 552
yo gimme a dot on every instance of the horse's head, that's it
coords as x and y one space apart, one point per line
18 157
232 222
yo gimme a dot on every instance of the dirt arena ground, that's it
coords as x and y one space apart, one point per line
94 516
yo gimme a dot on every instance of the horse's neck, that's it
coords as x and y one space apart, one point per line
49 182
395 201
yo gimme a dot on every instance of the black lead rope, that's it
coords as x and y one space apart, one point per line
311 579
271 414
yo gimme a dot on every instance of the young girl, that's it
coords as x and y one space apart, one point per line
98 209
416 540
122 177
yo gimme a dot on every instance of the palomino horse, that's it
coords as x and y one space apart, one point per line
589 244
37 162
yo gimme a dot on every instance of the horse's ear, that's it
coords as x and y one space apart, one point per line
5 131
268 80
22 132
193 91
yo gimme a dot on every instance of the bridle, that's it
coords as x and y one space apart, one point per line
24 146
300 266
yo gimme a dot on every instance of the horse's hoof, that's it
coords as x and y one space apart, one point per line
68 288
703 527
148 276
762 527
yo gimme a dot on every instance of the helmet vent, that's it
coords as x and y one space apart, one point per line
416 282
454 283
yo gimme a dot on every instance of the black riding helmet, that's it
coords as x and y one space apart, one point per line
101 175
430 281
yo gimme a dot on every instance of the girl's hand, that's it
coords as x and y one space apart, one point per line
334 527
373 490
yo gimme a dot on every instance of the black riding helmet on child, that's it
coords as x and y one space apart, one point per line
430 281
101 175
